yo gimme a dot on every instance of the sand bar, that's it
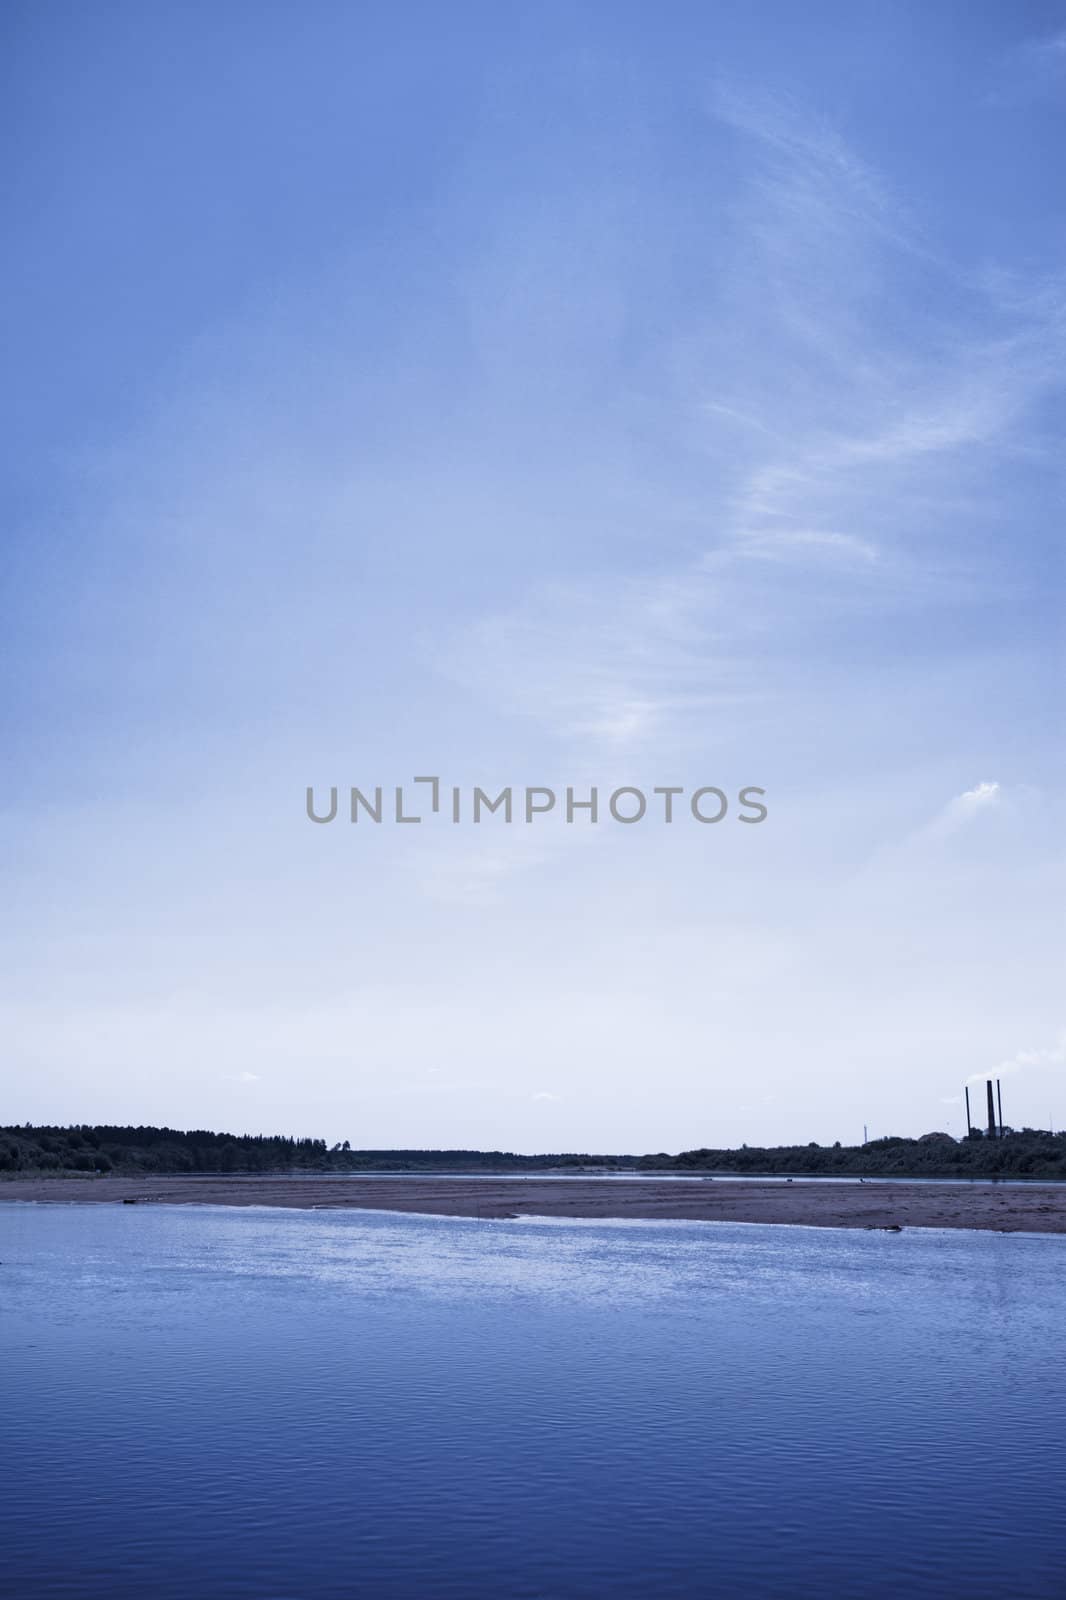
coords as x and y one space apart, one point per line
1030 1208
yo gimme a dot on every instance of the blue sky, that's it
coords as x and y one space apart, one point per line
550 395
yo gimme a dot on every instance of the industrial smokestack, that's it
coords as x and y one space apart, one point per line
999 1107
991 1111
969 1124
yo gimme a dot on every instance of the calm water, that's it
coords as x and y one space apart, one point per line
210 1402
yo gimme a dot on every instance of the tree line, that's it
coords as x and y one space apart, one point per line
104 1148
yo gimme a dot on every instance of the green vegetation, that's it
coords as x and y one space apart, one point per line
1030 1153
30 1151
35 1151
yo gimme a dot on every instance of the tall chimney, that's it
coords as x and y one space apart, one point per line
969 1124
991 1111
999 1107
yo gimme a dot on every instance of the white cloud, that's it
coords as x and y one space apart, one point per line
834 455
965 807
1050 1057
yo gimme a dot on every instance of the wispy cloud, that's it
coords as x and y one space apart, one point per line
1049 1058
841 401
813 179
607 663
964 808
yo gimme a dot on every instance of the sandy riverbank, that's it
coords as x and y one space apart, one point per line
1036 1208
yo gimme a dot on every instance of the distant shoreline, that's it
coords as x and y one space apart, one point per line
116 1150
993 1207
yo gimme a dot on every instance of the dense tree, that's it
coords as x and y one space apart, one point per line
1030 1153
